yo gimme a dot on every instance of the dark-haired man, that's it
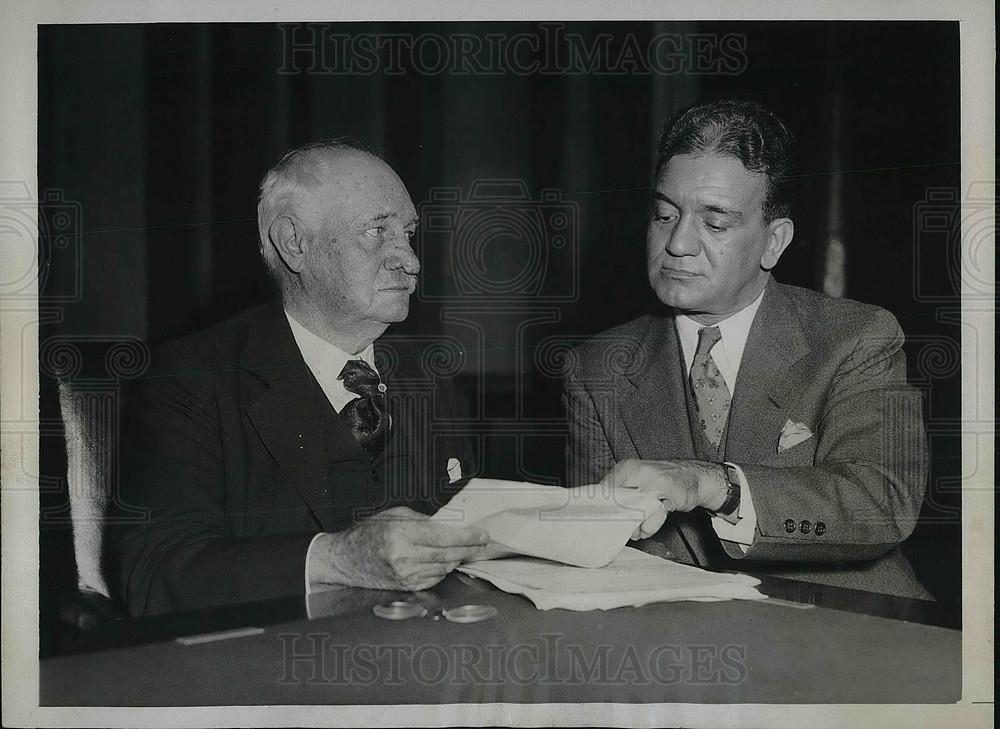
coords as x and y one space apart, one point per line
774 423
270 450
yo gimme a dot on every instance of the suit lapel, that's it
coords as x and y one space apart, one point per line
656 416
654 410
766 381
289 418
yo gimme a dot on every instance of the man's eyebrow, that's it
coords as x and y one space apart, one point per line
735 214
718 209
379 217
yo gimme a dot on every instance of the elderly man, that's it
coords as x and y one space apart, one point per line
269 450
774 423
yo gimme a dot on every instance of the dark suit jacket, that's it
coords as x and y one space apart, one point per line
240 460
833 364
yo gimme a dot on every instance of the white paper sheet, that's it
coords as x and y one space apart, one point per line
633 578
585 526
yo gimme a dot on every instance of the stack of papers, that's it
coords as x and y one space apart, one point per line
633 578
574 546
585 526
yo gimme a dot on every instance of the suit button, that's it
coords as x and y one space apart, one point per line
805 527
789 525
374 475
820 529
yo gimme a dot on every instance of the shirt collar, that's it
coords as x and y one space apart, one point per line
316 345
326 361
729 352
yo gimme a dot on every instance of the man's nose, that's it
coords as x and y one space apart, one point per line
403 257
683 240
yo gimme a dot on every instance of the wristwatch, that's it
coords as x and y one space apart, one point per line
732 501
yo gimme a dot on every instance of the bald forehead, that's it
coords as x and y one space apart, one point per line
348 183
316 167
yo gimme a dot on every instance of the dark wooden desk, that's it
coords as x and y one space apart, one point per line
729 652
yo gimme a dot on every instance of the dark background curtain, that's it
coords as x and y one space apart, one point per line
155 137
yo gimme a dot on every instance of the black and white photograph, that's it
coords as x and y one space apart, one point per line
388 365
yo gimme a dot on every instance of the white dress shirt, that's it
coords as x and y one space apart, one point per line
326 362
727 353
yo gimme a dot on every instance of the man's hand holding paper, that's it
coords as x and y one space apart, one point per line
396 549
680 485
585 526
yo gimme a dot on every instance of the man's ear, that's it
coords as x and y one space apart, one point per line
286 236
780 232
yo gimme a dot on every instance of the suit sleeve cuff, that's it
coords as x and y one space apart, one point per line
743 530
305 568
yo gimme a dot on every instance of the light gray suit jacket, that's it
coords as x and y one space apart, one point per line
835 365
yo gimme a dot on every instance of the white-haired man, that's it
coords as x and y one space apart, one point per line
271 453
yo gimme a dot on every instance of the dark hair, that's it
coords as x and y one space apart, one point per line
741 129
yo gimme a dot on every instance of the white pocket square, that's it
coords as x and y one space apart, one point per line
792 434
454 470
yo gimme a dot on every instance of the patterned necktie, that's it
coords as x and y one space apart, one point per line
711 396
365 415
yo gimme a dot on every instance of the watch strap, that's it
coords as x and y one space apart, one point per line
732 501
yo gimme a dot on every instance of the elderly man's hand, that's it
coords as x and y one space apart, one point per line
680 485
396 549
